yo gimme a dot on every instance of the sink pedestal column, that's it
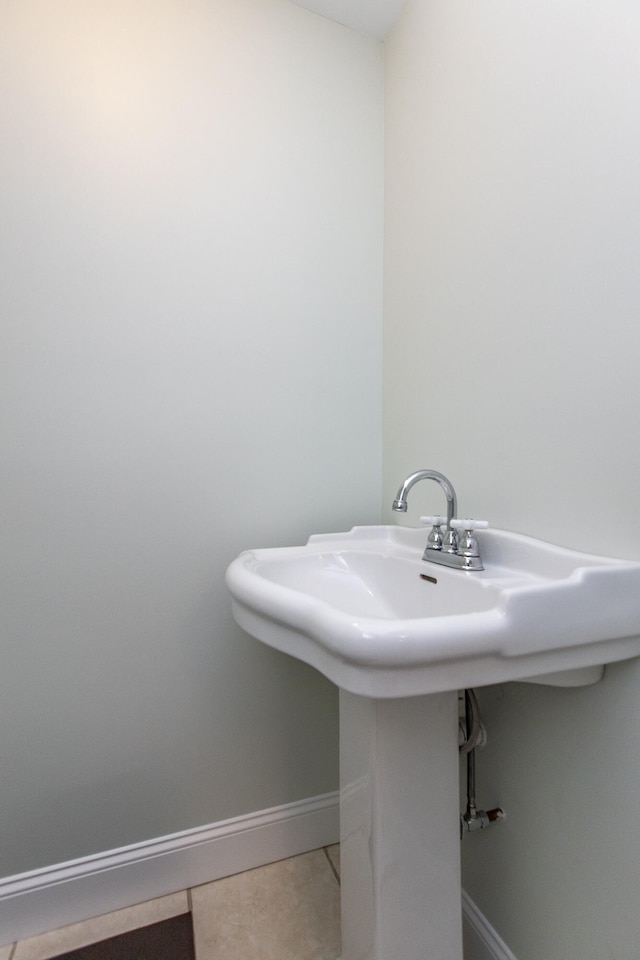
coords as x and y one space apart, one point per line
400 828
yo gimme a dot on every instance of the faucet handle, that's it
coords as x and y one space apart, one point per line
469 524
435 540
468 542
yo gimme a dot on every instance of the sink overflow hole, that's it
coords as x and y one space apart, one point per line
425 576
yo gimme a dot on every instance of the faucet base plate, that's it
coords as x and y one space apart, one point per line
455 560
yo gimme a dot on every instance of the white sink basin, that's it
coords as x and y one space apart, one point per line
365 609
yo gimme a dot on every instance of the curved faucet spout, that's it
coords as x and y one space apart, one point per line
400 503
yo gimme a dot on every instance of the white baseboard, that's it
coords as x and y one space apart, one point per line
481 942
42 900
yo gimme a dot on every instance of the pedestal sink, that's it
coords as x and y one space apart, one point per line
400 637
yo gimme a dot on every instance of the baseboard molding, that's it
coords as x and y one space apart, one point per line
481 942
42 900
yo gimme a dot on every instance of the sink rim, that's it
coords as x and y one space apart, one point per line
490 645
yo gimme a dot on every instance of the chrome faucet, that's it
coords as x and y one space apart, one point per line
445 548
400 503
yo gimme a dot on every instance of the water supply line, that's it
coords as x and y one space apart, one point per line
473 735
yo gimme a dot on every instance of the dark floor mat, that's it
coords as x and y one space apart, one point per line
168 940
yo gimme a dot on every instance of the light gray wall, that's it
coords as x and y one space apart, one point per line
512 296
191 250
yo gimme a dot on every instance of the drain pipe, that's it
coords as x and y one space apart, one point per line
474 736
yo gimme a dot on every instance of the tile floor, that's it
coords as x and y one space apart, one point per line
288 910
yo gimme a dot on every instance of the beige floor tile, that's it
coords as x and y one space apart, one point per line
5 952
333 852
100 928
284 911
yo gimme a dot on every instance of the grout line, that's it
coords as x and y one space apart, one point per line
332 865
193 922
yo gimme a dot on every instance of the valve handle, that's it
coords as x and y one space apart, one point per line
469 524
434 521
